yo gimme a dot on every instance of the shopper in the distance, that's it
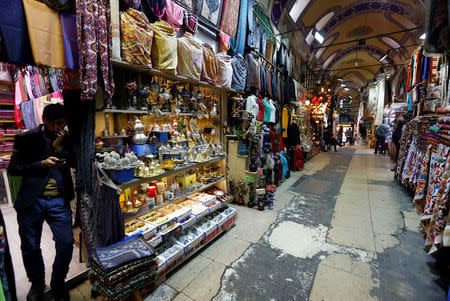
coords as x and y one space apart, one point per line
42 157
401 121
340 135
381 134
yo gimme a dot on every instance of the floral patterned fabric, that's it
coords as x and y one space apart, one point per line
137 35
94 41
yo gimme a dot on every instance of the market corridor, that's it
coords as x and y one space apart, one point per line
342 229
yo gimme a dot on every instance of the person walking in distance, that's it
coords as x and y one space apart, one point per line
43 156
381 133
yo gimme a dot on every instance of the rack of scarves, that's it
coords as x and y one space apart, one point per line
34 88
427 82
424 167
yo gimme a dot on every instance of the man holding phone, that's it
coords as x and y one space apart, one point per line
43 157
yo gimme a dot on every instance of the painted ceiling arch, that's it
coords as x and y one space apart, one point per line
350 20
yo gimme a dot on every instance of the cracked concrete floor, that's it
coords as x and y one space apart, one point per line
342 229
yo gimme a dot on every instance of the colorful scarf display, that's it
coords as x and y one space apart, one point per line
94 40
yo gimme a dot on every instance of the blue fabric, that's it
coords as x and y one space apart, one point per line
250 26
410 107
69 26
242 27
263 80
257 36
58 215
274 85
4 278
239 73
263 42
285 166
15 41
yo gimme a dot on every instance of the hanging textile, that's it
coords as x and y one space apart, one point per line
136 40
94 40
230 19
277 9
242 27
190 57
164 48
436 27
44 28
174 14
225 70
210 65
239 72
224 41
154 9
14 38
69 25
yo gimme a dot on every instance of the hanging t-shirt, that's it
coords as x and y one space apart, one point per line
251 106
261 109
267 110
273 111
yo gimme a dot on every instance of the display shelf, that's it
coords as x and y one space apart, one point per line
7 121
251 172
145 209
167 75
175 171
4 103
141 112
7 138
5 153
163 276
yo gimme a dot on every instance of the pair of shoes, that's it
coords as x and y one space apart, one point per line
36 292
60 293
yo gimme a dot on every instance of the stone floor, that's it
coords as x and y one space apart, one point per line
342 229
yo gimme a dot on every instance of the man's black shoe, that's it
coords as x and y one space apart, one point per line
36 292
60 293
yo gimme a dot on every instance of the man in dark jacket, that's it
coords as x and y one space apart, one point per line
43 157
381 134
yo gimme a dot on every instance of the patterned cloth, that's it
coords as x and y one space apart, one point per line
210 65
190 57
136 39
230 18
94 41
422 182
121 253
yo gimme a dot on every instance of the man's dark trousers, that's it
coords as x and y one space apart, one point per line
57 213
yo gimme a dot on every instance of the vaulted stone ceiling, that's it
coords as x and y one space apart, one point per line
347 20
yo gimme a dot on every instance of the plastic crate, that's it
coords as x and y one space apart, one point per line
121 175
141 149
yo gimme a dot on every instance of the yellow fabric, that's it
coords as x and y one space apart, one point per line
52 188
190 57
284 122
137 35
164 50
210 65
44 29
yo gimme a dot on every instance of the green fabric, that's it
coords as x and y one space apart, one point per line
267 110
52 188
261 14
2 293
14 185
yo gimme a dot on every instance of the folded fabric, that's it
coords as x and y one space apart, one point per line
190 57
210 65
164 48
136 38
225 70
127 250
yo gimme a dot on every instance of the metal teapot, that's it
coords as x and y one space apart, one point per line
139 137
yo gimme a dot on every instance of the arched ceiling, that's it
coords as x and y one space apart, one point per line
348 20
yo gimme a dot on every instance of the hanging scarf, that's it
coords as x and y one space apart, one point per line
94 40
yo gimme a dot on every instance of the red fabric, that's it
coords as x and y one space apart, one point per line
282 146
261 109
299 159
341 131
